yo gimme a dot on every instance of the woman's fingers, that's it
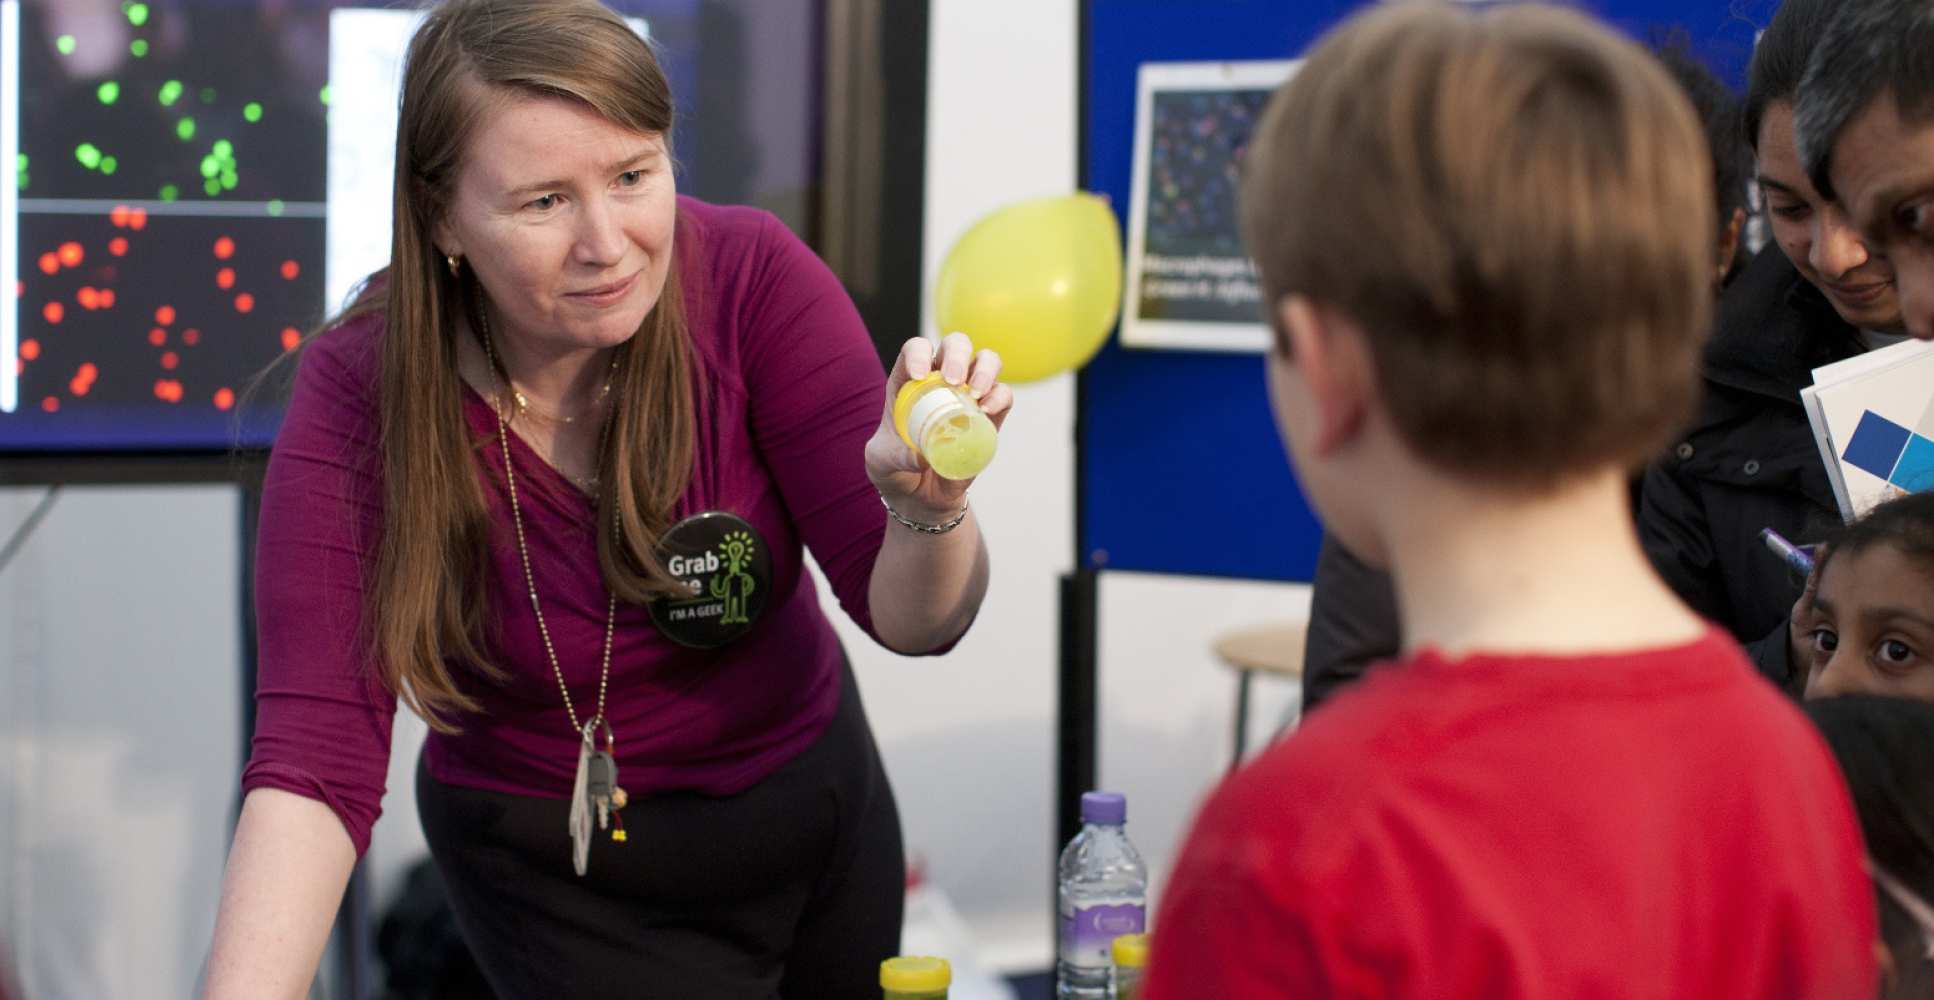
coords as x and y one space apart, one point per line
956 357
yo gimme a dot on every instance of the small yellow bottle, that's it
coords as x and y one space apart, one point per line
1131 958
945 425
915 977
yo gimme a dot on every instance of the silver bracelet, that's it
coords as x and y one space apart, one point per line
925 529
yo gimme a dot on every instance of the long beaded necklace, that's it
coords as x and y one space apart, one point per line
596 784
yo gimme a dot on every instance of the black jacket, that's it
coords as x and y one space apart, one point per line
1749 462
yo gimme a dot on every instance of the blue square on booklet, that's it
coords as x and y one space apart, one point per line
1876 445
1915 471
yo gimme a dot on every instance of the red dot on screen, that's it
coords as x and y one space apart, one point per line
118 246
224 248
224 398
291 338
138 219
290 269
191 336
244 302
225 278
165 315
170 360
79 387
88 297
88 371
50 404
30 349
49 263
119 216
71 254
107 298
157 336
53 312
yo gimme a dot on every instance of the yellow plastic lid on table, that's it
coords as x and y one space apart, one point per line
1131 950
915 973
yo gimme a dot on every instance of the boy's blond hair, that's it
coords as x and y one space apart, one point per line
1516 206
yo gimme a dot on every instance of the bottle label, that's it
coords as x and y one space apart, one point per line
1087 933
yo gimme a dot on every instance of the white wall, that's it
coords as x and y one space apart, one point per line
119 737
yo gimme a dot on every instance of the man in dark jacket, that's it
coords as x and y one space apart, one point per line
1749 462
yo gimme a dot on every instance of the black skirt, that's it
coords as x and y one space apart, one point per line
793 888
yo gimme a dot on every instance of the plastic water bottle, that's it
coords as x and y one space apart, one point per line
1103 895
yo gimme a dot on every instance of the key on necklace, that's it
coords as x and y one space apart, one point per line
600 783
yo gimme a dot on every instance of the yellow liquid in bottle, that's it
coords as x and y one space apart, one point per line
946 426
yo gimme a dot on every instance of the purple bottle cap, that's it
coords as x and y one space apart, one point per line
1108 808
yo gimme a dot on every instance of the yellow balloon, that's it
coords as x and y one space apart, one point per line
1038 281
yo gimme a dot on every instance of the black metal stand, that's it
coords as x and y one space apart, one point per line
1077 699
1076 745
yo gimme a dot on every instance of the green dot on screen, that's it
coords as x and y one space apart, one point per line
185 128
138 14
224 149
325 93
212 186
210 166
229 181
169 192
108 92
208 95
22 160
138 47
65 45
252 111
89 156
275 206
109 164
170 93
23 182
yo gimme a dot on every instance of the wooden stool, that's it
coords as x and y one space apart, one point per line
1270 649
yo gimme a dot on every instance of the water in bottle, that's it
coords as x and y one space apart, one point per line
1103 895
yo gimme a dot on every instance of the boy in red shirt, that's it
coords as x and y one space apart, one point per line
1485 239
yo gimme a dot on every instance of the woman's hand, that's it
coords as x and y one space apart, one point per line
901 476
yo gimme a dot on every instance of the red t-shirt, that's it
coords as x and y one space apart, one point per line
1643 826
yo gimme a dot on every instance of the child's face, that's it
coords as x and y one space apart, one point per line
1876 633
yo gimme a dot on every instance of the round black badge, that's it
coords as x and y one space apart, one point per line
724 562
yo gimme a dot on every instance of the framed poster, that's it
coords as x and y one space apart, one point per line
1190 285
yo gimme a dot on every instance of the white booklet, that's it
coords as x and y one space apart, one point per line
1873 419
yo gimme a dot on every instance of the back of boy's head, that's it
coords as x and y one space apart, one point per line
1515 205
1884 746
1905 524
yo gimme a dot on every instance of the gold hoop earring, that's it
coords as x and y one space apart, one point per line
455 263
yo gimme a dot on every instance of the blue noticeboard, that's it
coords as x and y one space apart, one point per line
1180 468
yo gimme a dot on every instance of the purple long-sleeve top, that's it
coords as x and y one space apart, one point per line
793 390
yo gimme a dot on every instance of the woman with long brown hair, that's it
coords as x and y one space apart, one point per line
549 483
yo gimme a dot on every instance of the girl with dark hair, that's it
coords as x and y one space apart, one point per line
1873 605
